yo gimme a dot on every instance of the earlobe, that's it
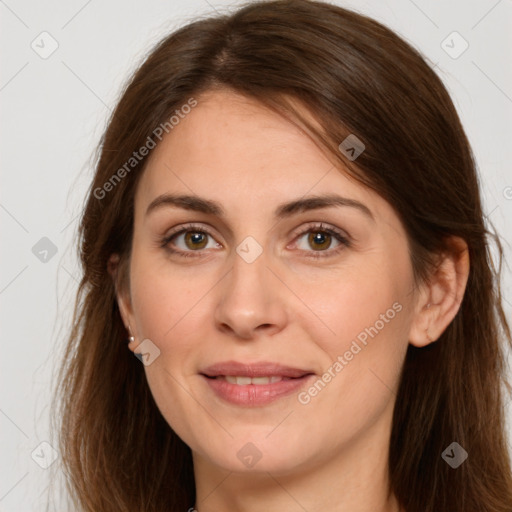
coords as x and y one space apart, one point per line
131 339
440 298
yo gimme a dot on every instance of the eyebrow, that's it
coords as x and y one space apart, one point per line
202 205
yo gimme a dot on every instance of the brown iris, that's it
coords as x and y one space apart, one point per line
197 239
320 238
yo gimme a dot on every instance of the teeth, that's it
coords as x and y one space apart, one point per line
245 381
241 381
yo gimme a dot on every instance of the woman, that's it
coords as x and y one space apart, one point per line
285 224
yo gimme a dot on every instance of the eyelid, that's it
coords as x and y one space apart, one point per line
319 226
190 226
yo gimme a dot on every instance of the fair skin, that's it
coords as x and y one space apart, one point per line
284 307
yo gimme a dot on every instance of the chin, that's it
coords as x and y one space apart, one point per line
257 453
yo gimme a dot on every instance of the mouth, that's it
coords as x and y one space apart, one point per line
254 384
254 370
241 380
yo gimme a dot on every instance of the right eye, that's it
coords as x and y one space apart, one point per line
188 240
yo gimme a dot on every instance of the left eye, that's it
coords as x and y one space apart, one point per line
321 240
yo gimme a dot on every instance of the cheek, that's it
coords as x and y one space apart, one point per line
166 306
173 310
363 334
362 360
350 301
162 297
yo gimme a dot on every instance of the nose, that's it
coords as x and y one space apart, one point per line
252 300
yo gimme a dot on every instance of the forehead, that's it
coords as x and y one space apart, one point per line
232 148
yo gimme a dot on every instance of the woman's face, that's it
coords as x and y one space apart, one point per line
247 277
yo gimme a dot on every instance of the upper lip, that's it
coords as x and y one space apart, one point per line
258 369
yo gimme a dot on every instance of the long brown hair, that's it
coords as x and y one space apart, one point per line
354 76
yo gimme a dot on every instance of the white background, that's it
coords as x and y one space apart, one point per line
53 112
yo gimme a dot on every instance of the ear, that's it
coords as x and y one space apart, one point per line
440 299
122 296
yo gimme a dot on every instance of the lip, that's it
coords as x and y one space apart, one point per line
253 395
258 369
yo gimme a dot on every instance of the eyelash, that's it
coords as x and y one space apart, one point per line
314 228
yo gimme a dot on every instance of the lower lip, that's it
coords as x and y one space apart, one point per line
253 395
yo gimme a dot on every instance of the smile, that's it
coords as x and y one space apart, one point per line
254 384
258 381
